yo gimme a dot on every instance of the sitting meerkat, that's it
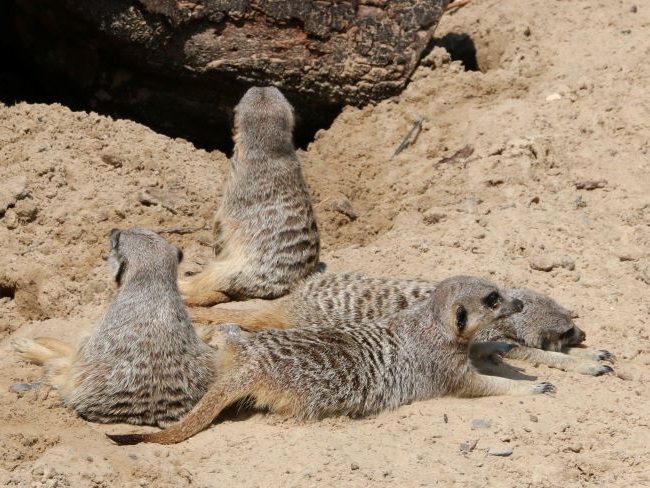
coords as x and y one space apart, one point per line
144 363
544 332
312 372
266 237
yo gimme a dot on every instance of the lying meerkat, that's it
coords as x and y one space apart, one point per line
313 372
544 332
266 237
144 363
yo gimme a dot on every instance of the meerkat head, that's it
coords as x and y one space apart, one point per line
139 253
264 122
467 304
544 323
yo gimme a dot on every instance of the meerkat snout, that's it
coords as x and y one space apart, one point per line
572 336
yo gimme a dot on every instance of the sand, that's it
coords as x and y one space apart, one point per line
553 193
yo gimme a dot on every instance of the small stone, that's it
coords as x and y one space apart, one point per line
533 418
468 446
553 97
548 263
133 456
445 419
11 191
354 466
634 9
501 452
527 31
579 202
342 205
26 211
481 424
23 387
590 184
433 216
437 58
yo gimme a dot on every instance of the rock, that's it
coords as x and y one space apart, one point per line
481 424
184 65
553 97
548 263
590 184
468 446
23 387
500 452
634 9
342 205
12 190
354 466
434 215
26 211
533 418
437 58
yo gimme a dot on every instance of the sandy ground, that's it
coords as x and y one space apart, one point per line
559 178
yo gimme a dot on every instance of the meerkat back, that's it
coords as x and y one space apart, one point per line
144 364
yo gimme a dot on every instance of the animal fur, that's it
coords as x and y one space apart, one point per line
266 237
544 332
312 372
144 363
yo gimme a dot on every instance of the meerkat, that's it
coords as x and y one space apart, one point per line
418 353
266 237
144 363
544 332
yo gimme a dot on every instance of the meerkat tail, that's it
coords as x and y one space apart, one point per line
41 349
273 315
478 385
218 397
208 287
558 360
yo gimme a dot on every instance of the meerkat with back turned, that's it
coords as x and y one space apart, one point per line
543 333
144 363
266 237
312 372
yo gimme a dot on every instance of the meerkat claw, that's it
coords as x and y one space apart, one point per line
603 355
543 388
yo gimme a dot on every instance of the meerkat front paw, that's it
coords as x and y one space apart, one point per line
541 388
602 355
599 370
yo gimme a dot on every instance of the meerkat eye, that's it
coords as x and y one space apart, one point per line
567 333
492 300
179 255
461 318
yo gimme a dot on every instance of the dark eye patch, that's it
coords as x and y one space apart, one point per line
461 318
567 334
492 300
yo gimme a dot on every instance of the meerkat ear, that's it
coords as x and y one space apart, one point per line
179 255
115 238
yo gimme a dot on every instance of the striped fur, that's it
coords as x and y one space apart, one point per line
266 237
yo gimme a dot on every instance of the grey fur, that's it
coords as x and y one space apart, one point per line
144 363
418 353
266 237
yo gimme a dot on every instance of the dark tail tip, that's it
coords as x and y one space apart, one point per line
127 439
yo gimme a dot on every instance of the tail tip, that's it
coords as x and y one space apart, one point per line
127 439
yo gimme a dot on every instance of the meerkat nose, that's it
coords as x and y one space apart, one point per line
517 305
581 335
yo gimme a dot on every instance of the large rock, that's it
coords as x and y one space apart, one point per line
185 63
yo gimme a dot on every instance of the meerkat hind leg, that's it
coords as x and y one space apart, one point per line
478 385
559 360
